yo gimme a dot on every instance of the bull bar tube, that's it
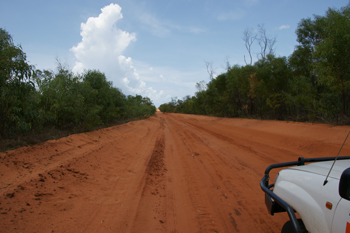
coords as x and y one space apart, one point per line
274 203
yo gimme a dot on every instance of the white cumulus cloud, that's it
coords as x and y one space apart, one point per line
102 47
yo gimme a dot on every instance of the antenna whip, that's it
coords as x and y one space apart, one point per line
326 181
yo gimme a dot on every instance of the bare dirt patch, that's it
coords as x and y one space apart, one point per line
168 173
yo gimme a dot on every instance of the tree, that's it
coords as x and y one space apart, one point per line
16 87
273 76
249 38
325 45
210 69
332 53
61 98
216 92
13 64
201 86
238 87
266 43
109 99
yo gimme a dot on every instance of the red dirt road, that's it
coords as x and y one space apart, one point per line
169 173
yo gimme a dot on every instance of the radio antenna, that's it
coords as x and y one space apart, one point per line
326 181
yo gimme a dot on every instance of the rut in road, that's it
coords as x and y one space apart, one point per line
169 173
211 167
150 209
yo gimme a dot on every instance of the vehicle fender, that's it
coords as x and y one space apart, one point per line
305 205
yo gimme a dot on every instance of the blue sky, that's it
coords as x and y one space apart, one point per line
154 48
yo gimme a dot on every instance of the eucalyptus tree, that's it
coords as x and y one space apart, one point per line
249 37
265 41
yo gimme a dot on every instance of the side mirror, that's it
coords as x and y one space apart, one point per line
344 184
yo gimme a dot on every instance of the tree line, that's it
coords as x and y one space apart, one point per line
312 84
33 99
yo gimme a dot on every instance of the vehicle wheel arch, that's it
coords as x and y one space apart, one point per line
304 204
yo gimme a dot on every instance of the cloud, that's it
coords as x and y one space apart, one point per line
102 47
171 82
231 15
101 37
283 27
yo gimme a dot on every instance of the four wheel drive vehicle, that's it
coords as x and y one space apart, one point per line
319 192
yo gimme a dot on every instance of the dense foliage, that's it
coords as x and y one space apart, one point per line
32 99
311 84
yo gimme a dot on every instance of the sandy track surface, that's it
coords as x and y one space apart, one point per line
168 173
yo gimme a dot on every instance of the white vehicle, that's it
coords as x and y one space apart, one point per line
319 192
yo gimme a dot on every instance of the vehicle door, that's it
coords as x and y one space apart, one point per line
341 219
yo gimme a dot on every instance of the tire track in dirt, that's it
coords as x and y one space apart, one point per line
52 188
169 173
150 211
225 198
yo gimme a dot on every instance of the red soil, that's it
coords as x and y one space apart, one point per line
168 173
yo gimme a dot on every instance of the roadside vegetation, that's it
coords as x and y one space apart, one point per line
37 105
312 84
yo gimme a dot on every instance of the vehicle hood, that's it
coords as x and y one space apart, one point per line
323 168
